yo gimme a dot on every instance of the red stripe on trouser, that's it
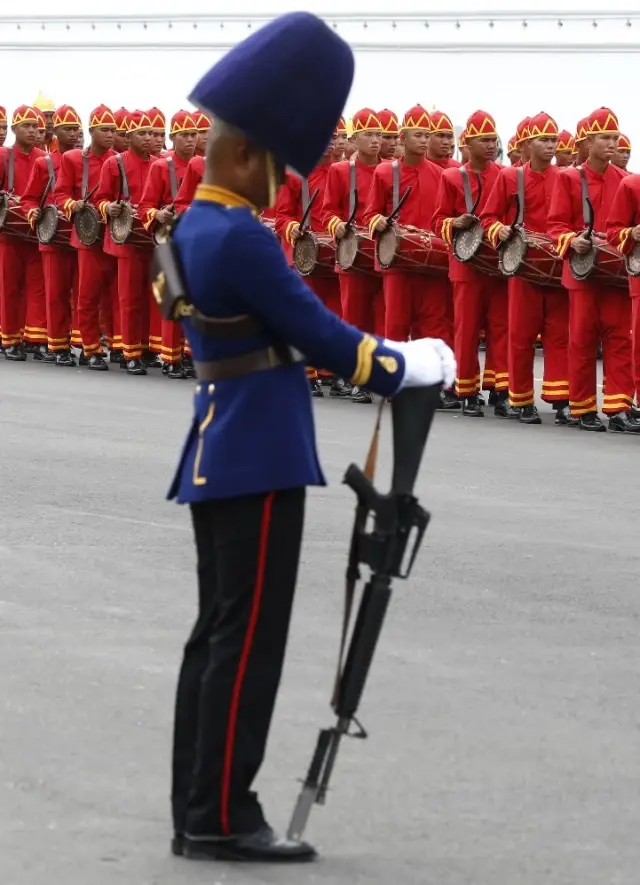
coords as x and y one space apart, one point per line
635 342
133 291
22 292
59 271
172 336
97 286
261 568
480 304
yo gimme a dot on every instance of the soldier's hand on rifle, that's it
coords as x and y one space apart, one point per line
462 222
114 209
427 361
164 215
581 244
295 232
504 233
77 205
635 233
340 230
380 225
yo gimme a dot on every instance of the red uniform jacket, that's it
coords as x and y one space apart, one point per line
136 169
36 186
447 163
22 168
157 190
69 184
500 208
289 209
192 178
565 214
418 208
450 204
335 207
624 215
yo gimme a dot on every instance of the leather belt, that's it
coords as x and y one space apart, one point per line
246 364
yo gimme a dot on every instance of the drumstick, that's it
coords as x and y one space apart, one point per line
592 215
91 193
479 197
396 210
45 194
307 212
352 217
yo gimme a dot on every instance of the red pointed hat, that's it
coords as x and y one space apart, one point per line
416 119
203 121
138 121
121 116
581 130
522 130
365 120
542 125
42 123
480 124
462 140
565 141
624 143
440 122
182 121
341 127
65 115
512 144
602 120
388 121
25 113
158 119
102 116
3 114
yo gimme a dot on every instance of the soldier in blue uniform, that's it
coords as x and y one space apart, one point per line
250 453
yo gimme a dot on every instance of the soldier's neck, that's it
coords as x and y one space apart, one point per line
96 150
599 166
478 165
367 161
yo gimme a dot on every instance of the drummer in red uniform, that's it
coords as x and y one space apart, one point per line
390 134
597 309
203 125
3 125
441 140
580 144
121 139
59 264
533 309
623 152
564 149
462 147
513 151
480 301
158 132
522 143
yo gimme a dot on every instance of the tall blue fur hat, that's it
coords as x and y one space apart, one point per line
284 87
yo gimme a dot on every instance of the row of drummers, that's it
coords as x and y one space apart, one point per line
77 231
523 252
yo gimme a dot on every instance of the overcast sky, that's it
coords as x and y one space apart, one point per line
510 84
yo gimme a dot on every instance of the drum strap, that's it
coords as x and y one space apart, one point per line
124 183
584 195
466 187
52 172
85 173
304 184
520 191
395 184
173 181
11 171
352 185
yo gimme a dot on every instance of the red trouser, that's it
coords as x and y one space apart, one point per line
59 267
599 313
135 295
362 301
97 286
635 342
534 311
480 303
416 307
23 308
152 330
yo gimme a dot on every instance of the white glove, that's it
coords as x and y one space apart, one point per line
427 361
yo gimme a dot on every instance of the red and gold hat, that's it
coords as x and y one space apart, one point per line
102 116
139 121
365 120
182 121
602 120
341 127
462 140
440 122
624 143
522 130
542 125
480 124
25 114
388 121
512 144
158 119
416 119
3 114
121 116
202 120
65 115
565 141
42 123
581 131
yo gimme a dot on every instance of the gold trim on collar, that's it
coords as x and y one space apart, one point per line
211 193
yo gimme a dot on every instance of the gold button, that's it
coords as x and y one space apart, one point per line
212 387
198 388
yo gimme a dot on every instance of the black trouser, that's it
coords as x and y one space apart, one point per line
248 551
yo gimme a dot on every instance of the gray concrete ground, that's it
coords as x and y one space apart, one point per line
503 703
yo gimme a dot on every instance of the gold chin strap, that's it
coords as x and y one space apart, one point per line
272 182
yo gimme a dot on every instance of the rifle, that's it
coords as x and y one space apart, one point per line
389 549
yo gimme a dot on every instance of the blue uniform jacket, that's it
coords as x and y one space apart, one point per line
255 433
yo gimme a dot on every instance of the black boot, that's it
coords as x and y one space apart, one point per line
51 356
98 363
263 846
564 418
115 357
529 415
361 395
592 422
448 401
151 360
502 408
187 365
175 372
472 408
624 422
41 353
65 358
15 353
316 388
134 367
339 387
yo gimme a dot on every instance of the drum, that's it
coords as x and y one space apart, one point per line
601 264
470 246
314 254
12 221
53 229
410 249
531 256
128 229
632 261
356 251
89 225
